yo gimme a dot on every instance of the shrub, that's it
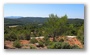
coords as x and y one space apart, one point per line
41 44
32 47
27 36
47 42
6 37
61 40
46 38
59 45
51 46
11 36
22 37
75 47
33 40
17 44
65 46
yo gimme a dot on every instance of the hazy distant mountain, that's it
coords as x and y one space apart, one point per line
13 17
26 20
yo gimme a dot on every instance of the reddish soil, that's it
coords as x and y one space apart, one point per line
24 42
71 41
75 41
9 44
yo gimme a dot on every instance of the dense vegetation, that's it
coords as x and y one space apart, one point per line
53 26
27 20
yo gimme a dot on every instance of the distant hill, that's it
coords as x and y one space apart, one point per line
27 20
24 20
13 17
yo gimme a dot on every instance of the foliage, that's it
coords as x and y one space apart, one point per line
61 40
41 44
75 47
12 36
32 47
27 36
53 26
61 45
22 37
17 44
33 40
81 34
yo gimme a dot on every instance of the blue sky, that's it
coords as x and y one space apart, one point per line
43 10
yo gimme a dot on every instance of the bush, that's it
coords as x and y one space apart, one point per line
6 37
27 36
51 45
33 40
80 34
65 46
59 45
41 44
22 37
61 40
81 38
11 36
32 47
47 42
46 38
75 47
17 44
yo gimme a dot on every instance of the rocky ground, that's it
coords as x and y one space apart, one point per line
26 43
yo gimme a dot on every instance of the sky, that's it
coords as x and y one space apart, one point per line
43 10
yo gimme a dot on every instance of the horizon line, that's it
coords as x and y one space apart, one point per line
42 17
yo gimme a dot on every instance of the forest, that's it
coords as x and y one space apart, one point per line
51 32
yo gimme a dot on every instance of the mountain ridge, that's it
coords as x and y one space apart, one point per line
27 20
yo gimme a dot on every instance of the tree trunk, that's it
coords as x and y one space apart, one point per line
54 36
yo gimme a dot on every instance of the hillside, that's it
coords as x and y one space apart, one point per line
44 33
27 20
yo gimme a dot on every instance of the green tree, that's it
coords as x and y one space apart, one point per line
11 36
55 25
81 34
